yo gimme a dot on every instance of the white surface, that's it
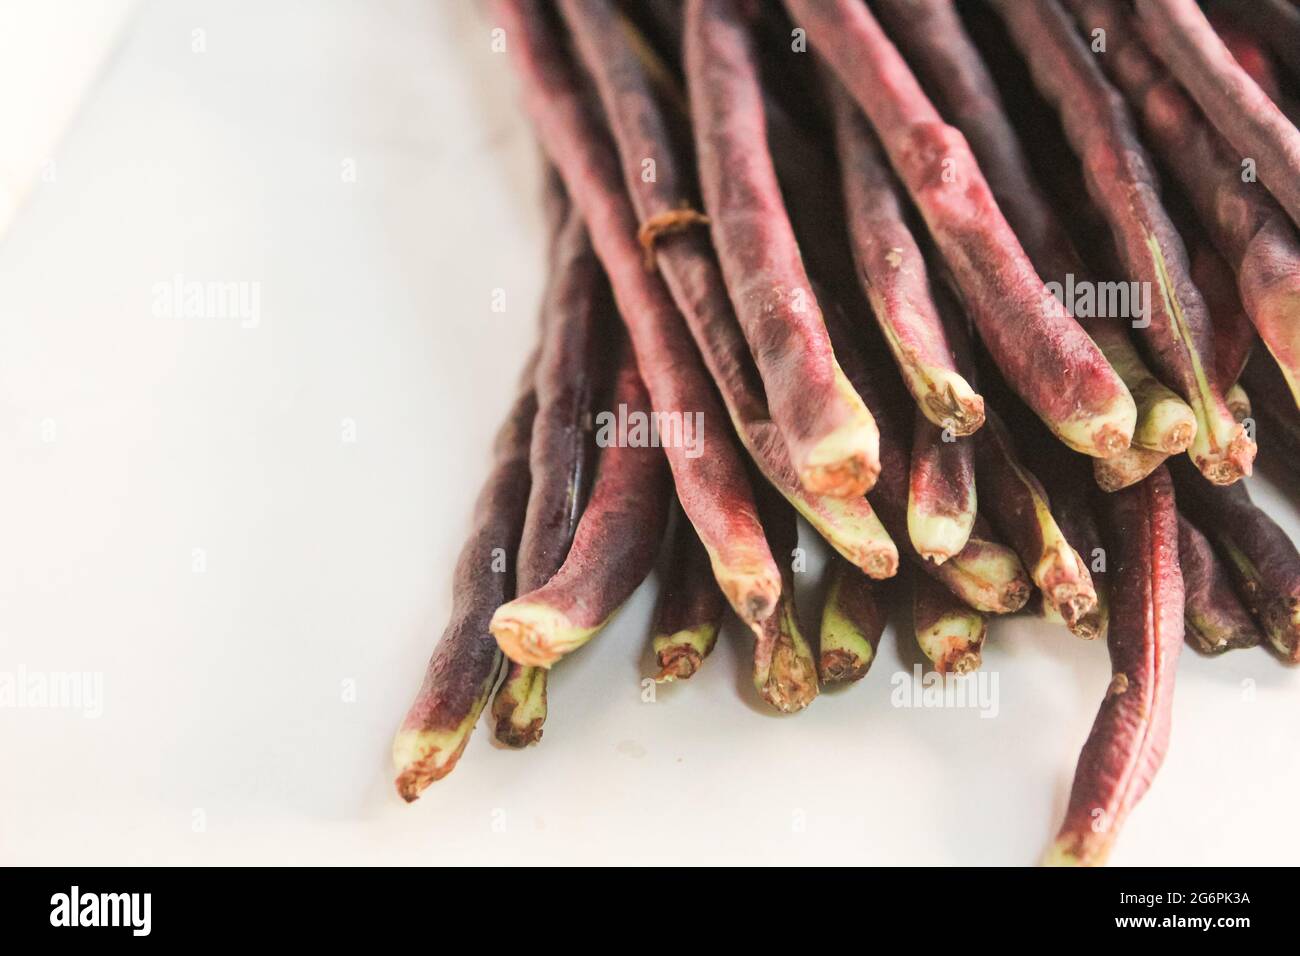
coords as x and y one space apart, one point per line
329 561
50 54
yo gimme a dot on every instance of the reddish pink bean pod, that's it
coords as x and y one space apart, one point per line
1181 36
1126 469
1019 508
830 434
1245 224
465 662
545 424
1131 733
942 499
1277 420
1234 335
576 317
1065 478
896 278
1122 182
1216 620
1063 377
1260 556
690 608
630 83
948 630
713 487
785 667
853 618
613 550
1250 56
985 573
932 36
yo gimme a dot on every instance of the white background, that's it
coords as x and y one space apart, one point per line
50 55
329 561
